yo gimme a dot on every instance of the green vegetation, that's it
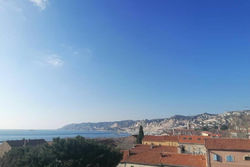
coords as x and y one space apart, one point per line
205 128
224 127
74 152
140 136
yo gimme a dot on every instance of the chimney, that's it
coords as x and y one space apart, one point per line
126 154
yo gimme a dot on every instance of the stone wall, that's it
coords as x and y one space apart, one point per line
192 148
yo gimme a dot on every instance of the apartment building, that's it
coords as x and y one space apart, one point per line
228 152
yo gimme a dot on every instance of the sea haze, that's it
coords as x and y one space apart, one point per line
50 134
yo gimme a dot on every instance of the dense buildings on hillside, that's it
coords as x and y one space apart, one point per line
229 124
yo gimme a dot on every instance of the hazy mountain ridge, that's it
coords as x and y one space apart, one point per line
158 126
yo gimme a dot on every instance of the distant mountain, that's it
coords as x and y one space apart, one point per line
159 126
116 125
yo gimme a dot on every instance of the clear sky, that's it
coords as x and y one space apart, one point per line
65 61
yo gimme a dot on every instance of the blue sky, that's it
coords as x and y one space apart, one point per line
65 61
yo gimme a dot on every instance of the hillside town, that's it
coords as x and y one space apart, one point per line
225 144
206 150
232 123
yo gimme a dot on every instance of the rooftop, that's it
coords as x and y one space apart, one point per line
157 158
228 144
193 139
160 138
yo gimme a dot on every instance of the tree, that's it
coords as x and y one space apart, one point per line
140 136
73 152
205 128
224 127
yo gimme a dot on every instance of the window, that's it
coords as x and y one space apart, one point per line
182 149
216 157
199 138
229 158
184 138
247 158
190 138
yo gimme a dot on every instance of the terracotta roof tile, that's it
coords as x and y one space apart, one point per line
185 160
228 144
150 158
156 158
160 138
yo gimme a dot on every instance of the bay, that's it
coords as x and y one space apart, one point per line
48 135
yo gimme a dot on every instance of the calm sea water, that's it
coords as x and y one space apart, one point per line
50 134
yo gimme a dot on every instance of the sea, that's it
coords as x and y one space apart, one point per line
48 135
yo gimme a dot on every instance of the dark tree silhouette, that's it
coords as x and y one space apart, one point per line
74 152
140 136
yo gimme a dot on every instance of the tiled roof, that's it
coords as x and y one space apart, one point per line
192 139
148 157
156 155
161 138
185 160
156 158
142 148
20 143
228 144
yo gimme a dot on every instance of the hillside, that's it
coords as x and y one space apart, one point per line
159 126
